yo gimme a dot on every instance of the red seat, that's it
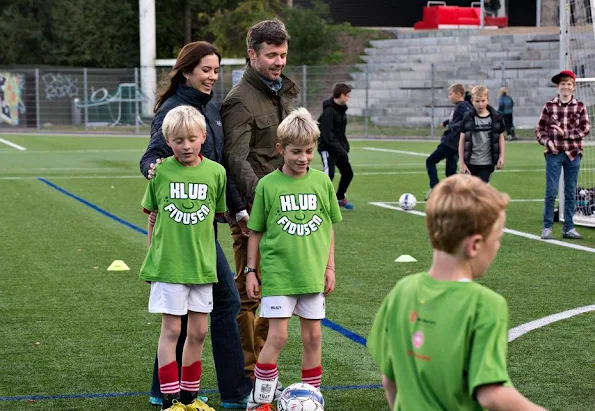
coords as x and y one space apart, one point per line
436 17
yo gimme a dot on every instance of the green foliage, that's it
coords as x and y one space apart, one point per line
313 39
22 22
106 34
71 33
228 27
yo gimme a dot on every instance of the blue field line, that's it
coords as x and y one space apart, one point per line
328 323
93 206
347 333
139 394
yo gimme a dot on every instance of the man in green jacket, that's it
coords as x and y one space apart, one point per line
251 113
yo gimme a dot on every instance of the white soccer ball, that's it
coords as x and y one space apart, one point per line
407 201
300 397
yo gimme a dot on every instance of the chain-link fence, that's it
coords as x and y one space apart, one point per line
385 100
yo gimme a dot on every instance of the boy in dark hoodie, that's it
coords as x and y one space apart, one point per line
449 143
332 143
481 146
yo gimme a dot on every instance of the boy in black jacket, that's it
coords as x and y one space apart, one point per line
332 143
449 143
481 144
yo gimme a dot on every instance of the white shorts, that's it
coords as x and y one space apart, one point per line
309 306
178 299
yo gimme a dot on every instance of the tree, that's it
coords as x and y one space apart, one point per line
229 26
314 39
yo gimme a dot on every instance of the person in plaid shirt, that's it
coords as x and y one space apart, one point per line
563 124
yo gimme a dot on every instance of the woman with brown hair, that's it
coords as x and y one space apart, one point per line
191 82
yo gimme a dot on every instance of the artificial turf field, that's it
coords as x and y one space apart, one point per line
77 337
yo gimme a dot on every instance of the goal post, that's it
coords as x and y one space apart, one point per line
577 53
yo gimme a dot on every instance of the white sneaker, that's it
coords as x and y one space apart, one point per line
547 234
572 234
253 405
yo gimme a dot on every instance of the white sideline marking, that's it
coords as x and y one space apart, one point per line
378 173
522 329
13 145
388 150
138 176
515 200
2 151
506 230
65 169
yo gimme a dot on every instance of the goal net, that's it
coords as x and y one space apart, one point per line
577 52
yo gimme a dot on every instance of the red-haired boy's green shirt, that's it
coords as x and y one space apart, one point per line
439 341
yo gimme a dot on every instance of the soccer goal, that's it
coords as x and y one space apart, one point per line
577 52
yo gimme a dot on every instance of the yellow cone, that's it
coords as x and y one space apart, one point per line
118 265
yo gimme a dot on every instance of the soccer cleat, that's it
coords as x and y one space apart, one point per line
346 204
279 390
572 234
427 194
176 406
263 407
198 405
240 405
155 401
546 234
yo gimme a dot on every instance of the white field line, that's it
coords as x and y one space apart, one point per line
522 329
530 170
64 169
514 200
75 151
388 150
137 176
395 164
506 230
13 145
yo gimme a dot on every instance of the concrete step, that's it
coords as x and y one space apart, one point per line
487 57
426 121
461 48
469 38
517 31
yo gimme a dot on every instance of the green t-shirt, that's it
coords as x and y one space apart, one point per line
296 216
183 245
439 341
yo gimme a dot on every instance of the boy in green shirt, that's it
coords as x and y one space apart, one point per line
181 263
291 225
438 336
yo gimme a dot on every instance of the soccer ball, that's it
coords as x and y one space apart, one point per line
407 201
300 397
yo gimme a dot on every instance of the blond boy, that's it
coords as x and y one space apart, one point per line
439 338
481 145
181 263
291 225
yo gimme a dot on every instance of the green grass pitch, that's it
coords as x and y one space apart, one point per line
71 328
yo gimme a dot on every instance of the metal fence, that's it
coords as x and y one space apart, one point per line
383 101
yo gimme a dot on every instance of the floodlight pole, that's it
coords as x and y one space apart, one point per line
148 53
482 10
538 14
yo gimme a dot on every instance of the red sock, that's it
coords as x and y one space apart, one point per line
191 377
168 378
312 376
266 371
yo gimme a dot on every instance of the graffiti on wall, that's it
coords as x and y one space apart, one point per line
12 86
58 85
